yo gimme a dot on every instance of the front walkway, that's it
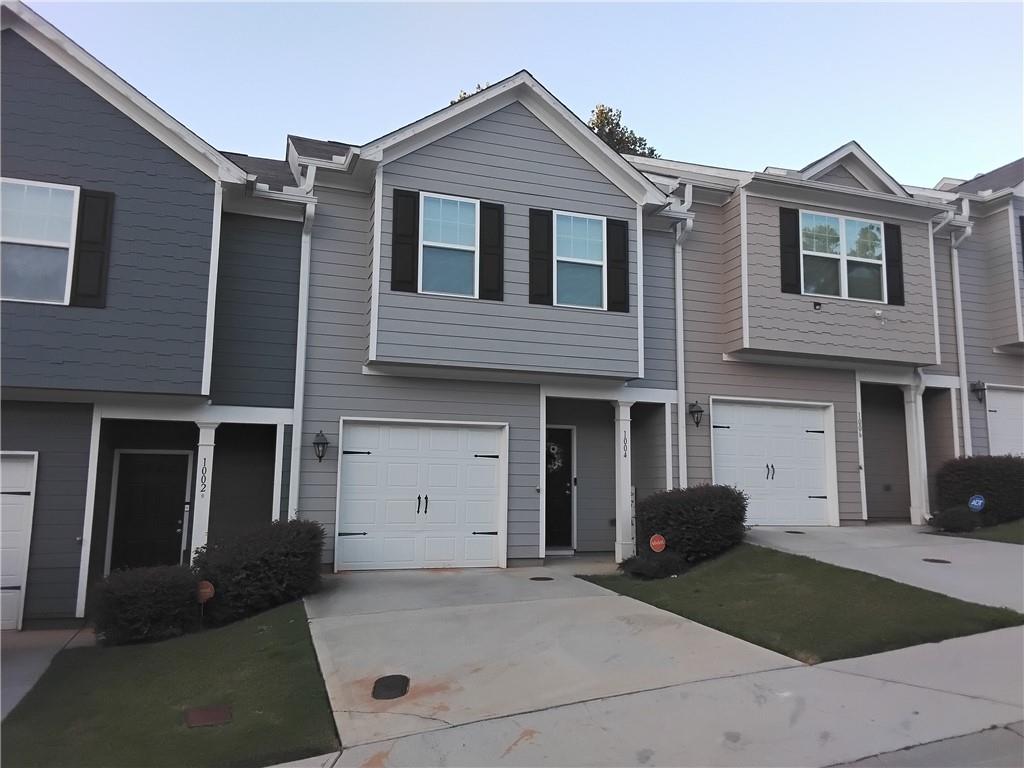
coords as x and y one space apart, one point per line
985 572
505 670
24 656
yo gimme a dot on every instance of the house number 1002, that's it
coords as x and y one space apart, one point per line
202 477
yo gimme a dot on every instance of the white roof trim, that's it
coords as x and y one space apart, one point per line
853 148
522 87
108 85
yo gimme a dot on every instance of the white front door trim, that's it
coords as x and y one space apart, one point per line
23 587
831 472
502 472
118 452
572 449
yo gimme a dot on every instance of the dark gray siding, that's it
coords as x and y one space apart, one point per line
512 158
939 438
257 312
150 337
243 487
60 432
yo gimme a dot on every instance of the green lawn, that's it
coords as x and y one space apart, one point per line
1010 533
123 706
809 610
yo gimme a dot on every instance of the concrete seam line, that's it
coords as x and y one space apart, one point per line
1005 727
922 687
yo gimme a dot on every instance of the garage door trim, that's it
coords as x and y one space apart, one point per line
502 470
831 474
34 456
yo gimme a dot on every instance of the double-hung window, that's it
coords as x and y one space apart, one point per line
842 256
449 245
581 261
38 224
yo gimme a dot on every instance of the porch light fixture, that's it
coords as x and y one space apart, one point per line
696 413
978 388
320 444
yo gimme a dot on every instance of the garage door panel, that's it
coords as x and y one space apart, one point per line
442 511
441 476
482 476
401 439
441 440
361 512
17 481
1005 409
483 440
482 550
400 512
440 551
360 474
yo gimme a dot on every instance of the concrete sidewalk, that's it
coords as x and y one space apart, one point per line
986 572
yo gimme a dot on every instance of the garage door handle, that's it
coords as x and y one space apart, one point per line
426 504
767 472
355 453
485 533
361 533
773 471
419 500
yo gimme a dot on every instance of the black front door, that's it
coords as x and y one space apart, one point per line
150 509
558 496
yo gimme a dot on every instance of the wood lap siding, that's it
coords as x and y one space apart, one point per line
509 158
840 175
659 311
947 315
336 386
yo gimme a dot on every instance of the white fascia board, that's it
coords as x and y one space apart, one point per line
658 165
108 85
854 149
801 190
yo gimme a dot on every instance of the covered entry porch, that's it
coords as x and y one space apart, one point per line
601 453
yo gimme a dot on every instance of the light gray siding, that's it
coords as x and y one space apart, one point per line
947 316
840 175
707 281
997 232
60 432
647 428
151 335
336 386
511 158
257 312
785 322
886 471
727 237
595 468
659 311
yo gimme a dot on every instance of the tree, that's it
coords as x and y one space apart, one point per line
606 122
466 94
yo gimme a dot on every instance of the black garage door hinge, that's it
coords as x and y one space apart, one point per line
817 497
719 426
486 456
361 533
816 431
485 533
10 589
361 453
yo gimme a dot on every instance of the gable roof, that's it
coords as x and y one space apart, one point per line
1003 177
860 164
276 174
57 46
524 88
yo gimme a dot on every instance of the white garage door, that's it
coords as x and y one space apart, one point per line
1005 421
777 454
17 499
420 496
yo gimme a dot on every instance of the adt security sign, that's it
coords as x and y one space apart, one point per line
976 503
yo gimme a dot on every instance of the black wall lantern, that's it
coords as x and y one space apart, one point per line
978 388
320 444
696 413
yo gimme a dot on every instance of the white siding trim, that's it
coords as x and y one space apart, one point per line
90 506
622 392
298 401
1015 263
227 414
639 288
744 292
211 291
378 212
860 451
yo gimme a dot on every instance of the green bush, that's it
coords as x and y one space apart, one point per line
258 570
1000 479
145 604
697 522
654 565
957 519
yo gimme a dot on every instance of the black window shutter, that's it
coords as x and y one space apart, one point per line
789 249
617 233
541 256
92 248
492 251
405 241
894 263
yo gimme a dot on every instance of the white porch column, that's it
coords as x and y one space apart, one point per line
204 483
625 545
917 466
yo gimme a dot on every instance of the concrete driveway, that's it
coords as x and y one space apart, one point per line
509 671
987 572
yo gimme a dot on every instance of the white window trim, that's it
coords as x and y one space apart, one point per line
475 249
48 243
555 258
842 258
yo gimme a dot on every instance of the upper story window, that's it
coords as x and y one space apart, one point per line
38 224
580 261
842 256
449 245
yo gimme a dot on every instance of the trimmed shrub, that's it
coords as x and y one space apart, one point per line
654 565
697 522
958 519
1000 479
261 569
142 605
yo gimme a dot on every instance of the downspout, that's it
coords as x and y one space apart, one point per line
958 316
683 227
298 415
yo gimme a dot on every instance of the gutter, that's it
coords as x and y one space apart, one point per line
298 414
683 227
958 316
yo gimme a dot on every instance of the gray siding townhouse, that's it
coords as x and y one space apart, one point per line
491 333
150 290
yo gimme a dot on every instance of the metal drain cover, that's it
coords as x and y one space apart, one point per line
541 578
390 687
936 560
798 533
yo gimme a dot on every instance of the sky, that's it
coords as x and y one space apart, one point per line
928 89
